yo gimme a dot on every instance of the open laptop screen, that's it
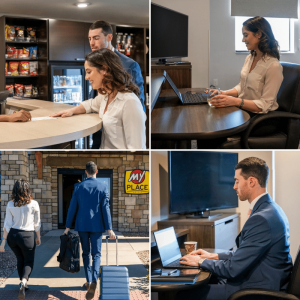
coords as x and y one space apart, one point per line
172 84
167 245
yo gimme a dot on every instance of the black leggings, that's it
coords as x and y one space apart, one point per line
22 243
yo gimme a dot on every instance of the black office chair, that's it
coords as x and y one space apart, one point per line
293 290
284 132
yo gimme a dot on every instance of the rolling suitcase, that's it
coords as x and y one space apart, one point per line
114 280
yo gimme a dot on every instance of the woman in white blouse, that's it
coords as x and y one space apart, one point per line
22 220
117 103
261 75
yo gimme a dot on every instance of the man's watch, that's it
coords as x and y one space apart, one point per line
242 104
201 260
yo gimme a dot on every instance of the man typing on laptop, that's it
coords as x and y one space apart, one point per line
262 258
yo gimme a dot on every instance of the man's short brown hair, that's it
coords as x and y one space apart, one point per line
91 168
254 167
106 27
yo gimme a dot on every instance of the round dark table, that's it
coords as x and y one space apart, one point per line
171 120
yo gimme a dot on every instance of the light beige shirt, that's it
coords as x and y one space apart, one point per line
262 84
256 199
26 217
123 122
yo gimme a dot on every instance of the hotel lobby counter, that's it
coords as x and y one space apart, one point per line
41 133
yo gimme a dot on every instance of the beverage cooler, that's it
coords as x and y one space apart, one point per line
68 84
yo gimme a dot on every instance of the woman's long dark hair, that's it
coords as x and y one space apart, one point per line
116 78
21 193
267 44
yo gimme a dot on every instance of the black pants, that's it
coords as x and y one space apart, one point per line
22 243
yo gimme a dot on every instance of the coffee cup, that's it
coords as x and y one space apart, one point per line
190 247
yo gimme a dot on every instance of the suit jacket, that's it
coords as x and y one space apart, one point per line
133 68
90 205
262 258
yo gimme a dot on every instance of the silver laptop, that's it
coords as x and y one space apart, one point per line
189 97
168 249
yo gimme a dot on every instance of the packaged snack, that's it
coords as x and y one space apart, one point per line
10 88
13 67
31 34
26 52
28 90
20 53
10 51
24 68
19 89
15 53
33 67
35 92
19 33
33 52
6 69
9 33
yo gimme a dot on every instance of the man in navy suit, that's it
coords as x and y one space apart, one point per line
100 36
262 258
90 205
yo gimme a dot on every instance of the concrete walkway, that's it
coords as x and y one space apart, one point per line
48 277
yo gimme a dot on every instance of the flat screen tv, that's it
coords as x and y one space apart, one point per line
201 181
169 33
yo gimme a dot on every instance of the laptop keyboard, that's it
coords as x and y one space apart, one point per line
194 98
177 264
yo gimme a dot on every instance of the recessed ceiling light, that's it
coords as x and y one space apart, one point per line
82 4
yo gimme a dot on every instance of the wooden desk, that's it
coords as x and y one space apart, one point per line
173 121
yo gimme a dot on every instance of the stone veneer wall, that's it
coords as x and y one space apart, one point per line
130 212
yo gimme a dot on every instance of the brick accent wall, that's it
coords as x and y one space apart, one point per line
130 213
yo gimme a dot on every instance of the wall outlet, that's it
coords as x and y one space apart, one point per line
215 82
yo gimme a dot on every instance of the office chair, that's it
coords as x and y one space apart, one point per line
285 134
292 293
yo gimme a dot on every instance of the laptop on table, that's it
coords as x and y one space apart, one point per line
189 97
168 249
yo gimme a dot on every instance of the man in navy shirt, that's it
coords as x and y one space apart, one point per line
100 36
90 206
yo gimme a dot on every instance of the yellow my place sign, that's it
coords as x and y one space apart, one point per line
137 182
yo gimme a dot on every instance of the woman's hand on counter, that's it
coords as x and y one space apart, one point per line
20 116
63 113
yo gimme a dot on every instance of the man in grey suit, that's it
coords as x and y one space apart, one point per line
262 258
100 36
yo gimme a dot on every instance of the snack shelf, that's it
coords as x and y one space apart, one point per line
18 42
24 58
20 76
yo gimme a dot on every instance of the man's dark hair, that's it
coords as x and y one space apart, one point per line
106 27
254 167
91 168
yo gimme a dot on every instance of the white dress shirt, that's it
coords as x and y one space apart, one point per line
253 202
262 84
123 121
26 217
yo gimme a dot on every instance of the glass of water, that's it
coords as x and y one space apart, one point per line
210 94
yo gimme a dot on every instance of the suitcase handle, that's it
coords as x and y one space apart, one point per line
107 249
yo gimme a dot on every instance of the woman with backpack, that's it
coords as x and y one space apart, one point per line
22 220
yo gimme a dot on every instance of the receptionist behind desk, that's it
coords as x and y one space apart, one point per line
261 75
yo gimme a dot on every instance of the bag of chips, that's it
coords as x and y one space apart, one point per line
26 52
13 67
10 51
10 88
10 33
33 52
6 69
28 90
35 92
24 68
19 89
20 53
31 34
19 33
33 68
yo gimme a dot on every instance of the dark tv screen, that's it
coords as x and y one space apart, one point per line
169 33
201 181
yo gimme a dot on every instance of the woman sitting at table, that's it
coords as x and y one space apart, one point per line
261 75
117 103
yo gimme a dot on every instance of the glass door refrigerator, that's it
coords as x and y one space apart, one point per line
68 86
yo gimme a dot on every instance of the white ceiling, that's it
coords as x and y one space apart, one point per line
120 12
